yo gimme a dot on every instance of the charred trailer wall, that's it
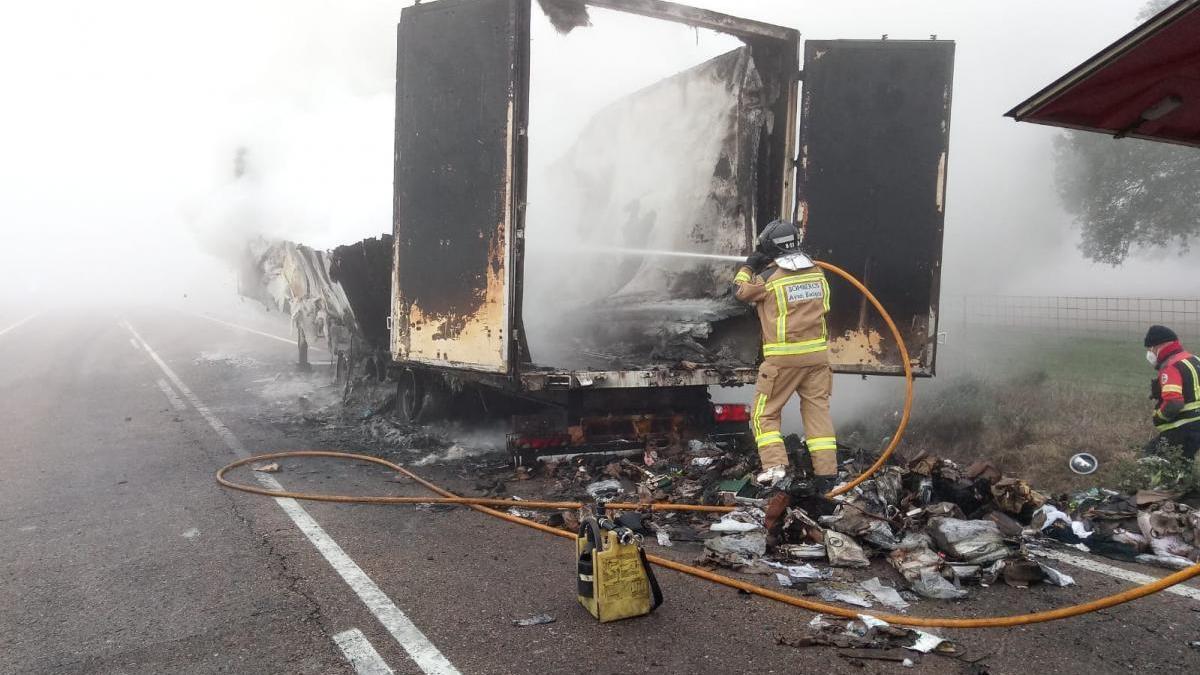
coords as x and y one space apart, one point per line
459 105
364 272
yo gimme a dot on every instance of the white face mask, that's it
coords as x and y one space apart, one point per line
1152 357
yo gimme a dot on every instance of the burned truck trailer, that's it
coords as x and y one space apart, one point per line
589 297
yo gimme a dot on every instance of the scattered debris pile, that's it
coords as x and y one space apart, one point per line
869 639
940 527
1147 527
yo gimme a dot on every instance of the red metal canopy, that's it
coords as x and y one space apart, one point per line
1145 85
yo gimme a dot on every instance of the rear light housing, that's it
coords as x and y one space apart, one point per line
731 412
542 442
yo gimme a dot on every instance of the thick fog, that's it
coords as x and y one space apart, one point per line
122 122
142 142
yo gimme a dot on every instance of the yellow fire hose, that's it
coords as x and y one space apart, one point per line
484 505
908 378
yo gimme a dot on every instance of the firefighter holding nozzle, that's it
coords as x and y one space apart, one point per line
791 295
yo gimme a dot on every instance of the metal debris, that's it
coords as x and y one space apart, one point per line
843 551
842 593
799 574
886 595
535 620
802 551
930 584
605 489
971 541
746 544
741 520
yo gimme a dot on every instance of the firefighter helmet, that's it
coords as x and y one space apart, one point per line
780 238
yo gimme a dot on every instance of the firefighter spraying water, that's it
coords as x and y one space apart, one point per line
619 250
791 296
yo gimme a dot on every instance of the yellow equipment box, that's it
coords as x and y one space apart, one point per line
615 580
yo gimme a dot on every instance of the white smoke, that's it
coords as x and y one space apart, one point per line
122 121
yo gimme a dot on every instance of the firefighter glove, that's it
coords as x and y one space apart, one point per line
757 261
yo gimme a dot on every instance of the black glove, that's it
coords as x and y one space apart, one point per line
757 261
1155 390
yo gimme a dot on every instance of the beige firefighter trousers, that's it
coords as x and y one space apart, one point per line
776 384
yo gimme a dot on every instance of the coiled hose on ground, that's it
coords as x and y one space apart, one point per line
484 505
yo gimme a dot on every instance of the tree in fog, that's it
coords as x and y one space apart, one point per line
1129 194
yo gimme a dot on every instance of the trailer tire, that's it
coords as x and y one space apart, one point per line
410 396
435 398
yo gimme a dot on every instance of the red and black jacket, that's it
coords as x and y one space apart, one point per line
1178 388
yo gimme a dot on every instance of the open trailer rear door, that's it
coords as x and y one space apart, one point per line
874 141
459 177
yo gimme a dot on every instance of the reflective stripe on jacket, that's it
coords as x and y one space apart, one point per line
791 308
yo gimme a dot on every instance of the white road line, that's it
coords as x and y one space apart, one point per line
427 657
167 391
1115 572
18 324
256 332
135 344
360 653
419 648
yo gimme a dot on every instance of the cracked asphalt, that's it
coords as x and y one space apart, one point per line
119 553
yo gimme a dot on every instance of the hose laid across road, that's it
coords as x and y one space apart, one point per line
485 506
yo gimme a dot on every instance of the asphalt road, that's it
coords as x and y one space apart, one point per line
119 554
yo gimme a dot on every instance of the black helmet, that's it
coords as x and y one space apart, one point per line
780 238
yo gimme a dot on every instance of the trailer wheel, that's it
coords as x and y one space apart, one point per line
436 396
410 396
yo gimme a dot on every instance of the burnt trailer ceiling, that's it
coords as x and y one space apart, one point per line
673 168
874 144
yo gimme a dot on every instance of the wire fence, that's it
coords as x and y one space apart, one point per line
1101 317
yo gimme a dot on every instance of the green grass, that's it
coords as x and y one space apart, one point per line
1028 402
1099 363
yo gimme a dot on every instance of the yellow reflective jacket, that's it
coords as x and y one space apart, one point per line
791 308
